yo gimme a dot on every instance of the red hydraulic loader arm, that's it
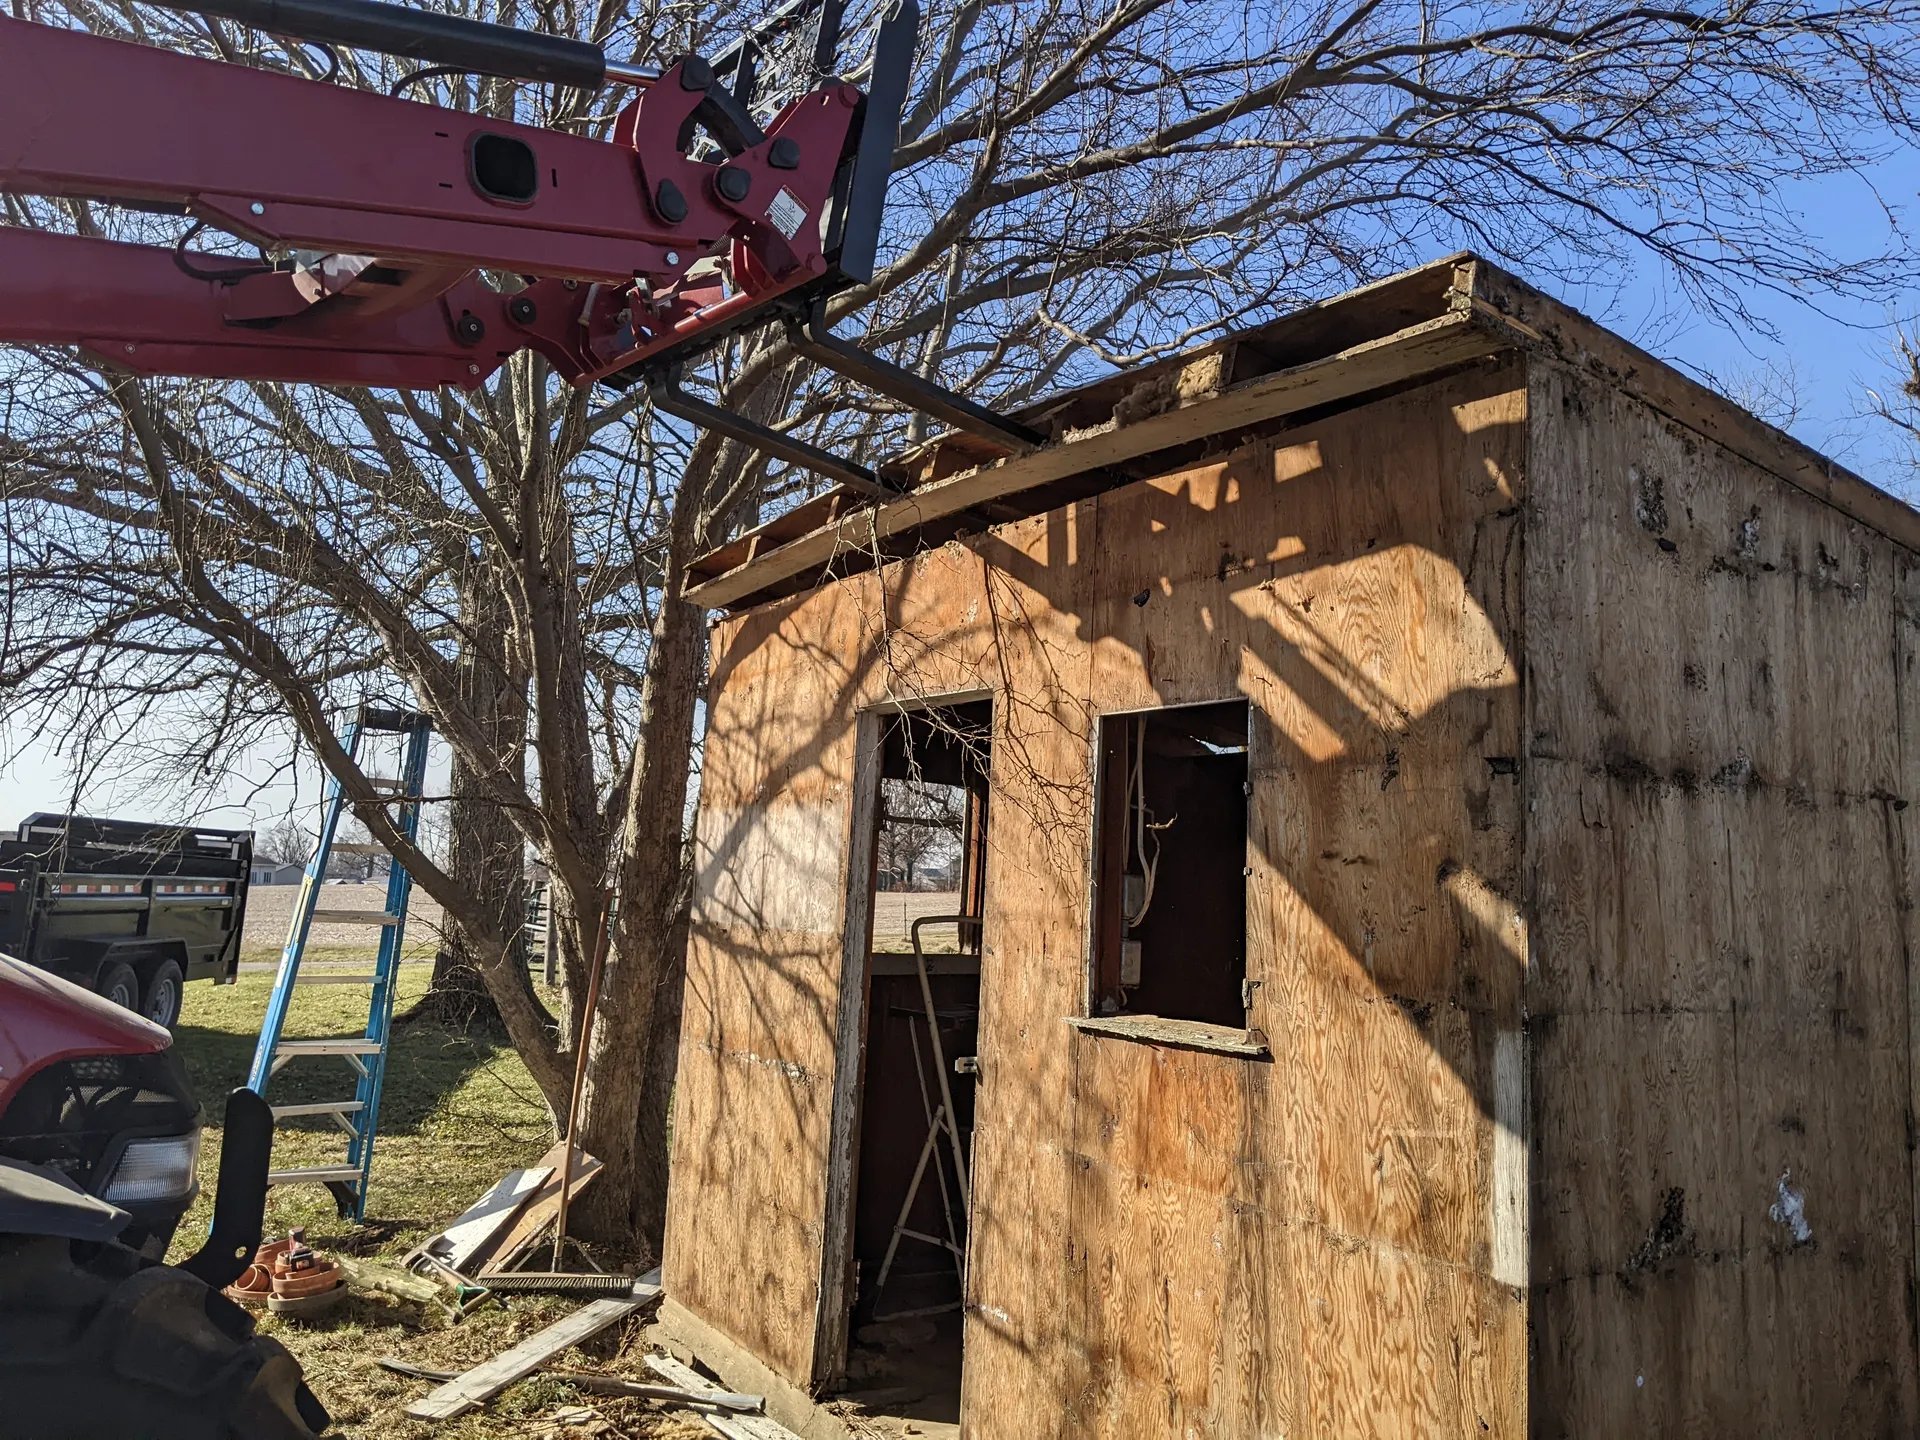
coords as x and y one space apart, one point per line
374 214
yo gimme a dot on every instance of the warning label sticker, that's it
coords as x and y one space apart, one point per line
787 214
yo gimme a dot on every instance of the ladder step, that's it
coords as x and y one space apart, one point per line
354 917
328 977
319 1107
341 1045
358 847
313 1175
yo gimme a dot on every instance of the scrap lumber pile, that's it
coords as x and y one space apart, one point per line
476 1259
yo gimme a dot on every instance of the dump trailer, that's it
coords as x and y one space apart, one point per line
128 909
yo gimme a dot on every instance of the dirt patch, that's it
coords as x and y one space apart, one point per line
894 912
270 909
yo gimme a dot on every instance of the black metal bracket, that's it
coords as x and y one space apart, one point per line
385 718
670 398
240 1199
809 334
860 188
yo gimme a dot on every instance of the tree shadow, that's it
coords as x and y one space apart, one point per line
1358 583
425 1064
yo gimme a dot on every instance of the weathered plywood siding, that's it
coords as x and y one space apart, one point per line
1168 1242
1308 1246
755 1104
1719 1016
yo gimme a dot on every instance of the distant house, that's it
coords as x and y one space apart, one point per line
266 872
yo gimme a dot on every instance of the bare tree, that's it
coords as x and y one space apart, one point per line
1897 403
919 826
285 842
1080 183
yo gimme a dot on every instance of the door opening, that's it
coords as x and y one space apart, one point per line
912 1184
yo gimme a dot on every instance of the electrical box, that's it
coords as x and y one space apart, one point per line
1129 962
1133 894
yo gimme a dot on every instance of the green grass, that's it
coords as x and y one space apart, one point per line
410 951
458 1112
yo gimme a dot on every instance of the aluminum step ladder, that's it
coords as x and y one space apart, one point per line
365 1054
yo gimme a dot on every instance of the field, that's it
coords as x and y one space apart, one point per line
458 1113
894 912
269 907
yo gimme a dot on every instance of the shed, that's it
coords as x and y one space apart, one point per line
1429 787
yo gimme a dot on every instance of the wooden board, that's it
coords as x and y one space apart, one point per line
480 1384
1719 1034
1164 1240
538 1212
486 1217
734 1427
1412 325
1447 340
1554 330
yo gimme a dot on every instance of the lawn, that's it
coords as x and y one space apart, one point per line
458 1113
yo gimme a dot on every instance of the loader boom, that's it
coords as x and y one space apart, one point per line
381 221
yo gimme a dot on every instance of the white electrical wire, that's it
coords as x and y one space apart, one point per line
1139 788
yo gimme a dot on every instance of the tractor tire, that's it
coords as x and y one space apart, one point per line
160 996
95 1342
119 984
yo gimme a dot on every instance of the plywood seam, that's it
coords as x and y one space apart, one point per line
1898 828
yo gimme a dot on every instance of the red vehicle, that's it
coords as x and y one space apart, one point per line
99 1159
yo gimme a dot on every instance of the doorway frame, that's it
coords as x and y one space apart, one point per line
833 1312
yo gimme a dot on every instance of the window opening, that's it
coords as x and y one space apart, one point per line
1170 889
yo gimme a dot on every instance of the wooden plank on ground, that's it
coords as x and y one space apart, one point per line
734 1427
480 1384
488 1215
537 1214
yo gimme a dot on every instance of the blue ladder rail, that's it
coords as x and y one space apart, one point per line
365 1053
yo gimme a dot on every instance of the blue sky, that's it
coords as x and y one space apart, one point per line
1824 355
1829 351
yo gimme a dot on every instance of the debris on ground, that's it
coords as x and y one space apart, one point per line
291 1279
373 1275
484 1381
570 1172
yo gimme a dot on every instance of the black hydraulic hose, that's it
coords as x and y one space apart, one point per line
452 40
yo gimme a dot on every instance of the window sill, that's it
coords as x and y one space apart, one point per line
1187 1034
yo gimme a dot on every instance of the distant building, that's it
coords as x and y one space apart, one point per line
266 872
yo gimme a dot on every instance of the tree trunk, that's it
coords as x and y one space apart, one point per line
485 850
485 854
624 1118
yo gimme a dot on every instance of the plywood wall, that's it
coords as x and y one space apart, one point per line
1332 1241
1718 1008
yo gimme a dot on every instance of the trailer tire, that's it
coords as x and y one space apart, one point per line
95 1341
119 984
160 997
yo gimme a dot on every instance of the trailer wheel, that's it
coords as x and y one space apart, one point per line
160 999
119 984
96 1342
